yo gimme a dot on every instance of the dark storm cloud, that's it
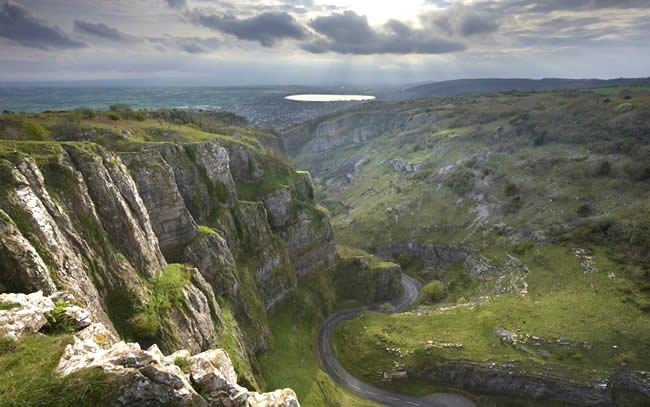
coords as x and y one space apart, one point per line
193 49
461 21
176 3
191 45
103 31
473 24
350 33
266 28
18 24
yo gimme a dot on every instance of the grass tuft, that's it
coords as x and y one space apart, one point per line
28 377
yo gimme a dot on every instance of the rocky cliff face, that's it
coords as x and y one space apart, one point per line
367 279
74 220
354 128
503 380
78 218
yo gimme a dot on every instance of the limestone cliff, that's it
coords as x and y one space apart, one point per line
106 228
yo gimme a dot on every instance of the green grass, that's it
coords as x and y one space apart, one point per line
206 230
292 360
229 342
42 127
166 292
40 151
28 379
616 90
564 304
7 305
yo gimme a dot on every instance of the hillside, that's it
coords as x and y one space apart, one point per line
486 85
176 232
526 217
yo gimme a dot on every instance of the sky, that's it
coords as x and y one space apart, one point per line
321 42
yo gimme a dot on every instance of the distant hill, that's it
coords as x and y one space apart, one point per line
470 86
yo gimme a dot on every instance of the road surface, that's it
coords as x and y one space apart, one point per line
331 365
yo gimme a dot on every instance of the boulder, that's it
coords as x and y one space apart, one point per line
148 378
278 203
26 270
79 317
27 314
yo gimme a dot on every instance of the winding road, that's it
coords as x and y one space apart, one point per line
410 294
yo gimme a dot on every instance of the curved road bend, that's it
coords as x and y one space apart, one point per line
350 383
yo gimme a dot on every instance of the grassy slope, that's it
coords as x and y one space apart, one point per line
564 304
292 360
551 146
27 376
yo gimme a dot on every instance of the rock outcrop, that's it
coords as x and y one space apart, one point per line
23 267
125 218
357 128
23 314
148 378
144 377
366 279
171 221
203 178
504 380
74 220
437 255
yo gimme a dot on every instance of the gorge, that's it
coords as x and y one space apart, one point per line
181 257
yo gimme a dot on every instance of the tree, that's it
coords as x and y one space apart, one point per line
511 189
604 169
32 131
434 291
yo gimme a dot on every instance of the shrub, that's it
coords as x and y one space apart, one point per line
514 205
120 107
144 325
434 291
86 112
460 181
139 116
585 210
511 189
32 131
57 322
114 116
604 169
461 300
183 363
637 171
